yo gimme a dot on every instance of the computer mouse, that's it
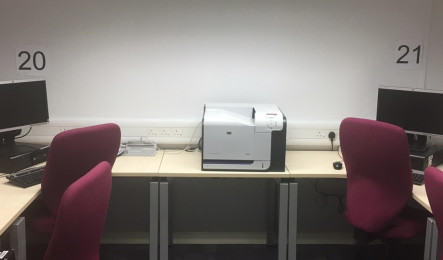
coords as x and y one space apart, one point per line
337 165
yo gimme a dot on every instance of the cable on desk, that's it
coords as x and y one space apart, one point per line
18 137
188 148
339 152
340 207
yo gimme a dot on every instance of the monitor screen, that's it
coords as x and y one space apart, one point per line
23 103
417 112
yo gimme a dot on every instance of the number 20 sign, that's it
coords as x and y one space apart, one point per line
408 54
32 60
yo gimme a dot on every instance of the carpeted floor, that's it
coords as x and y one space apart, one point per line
260 252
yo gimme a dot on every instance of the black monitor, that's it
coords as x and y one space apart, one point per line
419 113
21 104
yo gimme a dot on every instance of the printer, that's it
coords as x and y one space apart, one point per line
250 137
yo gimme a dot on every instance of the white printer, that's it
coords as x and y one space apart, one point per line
243 137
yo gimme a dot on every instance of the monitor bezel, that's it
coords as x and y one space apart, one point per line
30 121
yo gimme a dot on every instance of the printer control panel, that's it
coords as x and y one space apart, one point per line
272 121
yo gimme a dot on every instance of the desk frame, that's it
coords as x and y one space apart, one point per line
432 241
300 164
287 218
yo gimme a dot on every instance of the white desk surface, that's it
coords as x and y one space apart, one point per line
313 164
15 201
137 166
419 194
188 164
318 164
299 164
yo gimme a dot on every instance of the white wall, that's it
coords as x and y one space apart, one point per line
149 60
434 75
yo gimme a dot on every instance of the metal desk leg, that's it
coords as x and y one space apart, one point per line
153 221
292 221
432 241
283 221
272 212
164 221
18 238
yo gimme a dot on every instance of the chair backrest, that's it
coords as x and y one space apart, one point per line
81 217
379 179
72 154
434 190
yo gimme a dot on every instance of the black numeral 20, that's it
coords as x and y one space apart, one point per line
406 50
26 65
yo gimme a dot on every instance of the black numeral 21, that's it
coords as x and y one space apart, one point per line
406 50
26 65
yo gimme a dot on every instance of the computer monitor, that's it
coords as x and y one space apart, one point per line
419 113
21 103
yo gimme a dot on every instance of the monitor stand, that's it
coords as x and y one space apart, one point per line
8 137
8 146
417 143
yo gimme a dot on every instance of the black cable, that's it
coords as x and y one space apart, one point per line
331 136
200 143
339 154
17 137
340 207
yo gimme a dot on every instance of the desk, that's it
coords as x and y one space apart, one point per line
432 242
188 165
419 195
171 164
307 164
137 166
16 201
318 164
144 166
313 164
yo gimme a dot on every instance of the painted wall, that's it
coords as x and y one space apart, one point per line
320 61
434 75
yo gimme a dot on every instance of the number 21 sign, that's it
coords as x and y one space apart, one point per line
32 60
408 54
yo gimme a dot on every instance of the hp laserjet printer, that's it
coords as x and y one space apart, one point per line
243 137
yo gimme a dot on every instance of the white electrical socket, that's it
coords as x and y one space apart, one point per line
165 131
321 133
177 131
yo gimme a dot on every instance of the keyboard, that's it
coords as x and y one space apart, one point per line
418 177
27 177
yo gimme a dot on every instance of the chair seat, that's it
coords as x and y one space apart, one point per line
39 219
410 223
42 221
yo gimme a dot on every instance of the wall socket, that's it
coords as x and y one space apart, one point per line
165 131
322 133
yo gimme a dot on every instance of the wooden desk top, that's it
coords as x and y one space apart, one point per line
15 201
419 194
137 166
318 164
188 164
299 164
313 164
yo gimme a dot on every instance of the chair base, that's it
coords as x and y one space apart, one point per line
364 238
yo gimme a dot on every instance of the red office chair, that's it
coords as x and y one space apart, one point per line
81 216
379 181
434 190
72 154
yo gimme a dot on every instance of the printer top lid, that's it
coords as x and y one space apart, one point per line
265 117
